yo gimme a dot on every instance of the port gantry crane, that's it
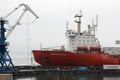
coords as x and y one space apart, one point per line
6 64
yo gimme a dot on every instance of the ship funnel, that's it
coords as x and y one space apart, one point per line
78 21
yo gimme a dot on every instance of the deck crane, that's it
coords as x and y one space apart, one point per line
6 64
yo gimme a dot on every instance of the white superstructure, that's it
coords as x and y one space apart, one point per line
79 39
115 51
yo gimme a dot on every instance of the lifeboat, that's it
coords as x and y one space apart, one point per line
95 48
82 48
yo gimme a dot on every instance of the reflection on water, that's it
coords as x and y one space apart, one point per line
69 77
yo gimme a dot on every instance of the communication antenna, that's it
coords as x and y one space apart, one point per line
89 28
67 24
97 20
94 26
81 12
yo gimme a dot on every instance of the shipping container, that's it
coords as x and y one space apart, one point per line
111 66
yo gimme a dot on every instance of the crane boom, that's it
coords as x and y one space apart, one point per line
27 8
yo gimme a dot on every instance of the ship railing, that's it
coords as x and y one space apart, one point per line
46 49
52 49
62 48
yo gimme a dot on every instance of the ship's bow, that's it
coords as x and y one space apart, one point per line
36 54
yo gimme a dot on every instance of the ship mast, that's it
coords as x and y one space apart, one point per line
67 23
94 26
78 22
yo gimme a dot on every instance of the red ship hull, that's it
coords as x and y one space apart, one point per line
66 58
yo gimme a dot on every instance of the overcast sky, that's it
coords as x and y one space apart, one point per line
50 28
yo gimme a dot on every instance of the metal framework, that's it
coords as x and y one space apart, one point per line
6 64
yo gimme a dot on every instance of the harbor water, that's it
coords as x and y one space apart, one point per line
69 77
